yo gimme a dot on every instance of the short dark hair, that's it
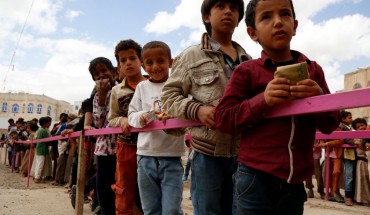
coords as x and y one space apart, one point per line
358 120
11 120
99 60
344 114
158 44
124 45
208 4
33 126
43 121
250 13
63 115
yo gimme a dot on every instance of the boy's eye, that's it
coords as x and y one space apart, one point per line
264 17
286 13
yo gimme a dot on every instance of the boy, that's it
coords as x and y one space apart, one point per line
128 54
349 159
159 154
42 148
362 187
101 69
198 79
275 155
13 134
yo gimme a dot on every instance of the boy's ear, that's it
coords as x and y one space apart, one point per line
170 64
295 26
252 34
206 18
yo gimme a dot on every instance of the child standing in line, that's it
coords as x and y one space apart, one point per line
128 56
42 148
101 69
349 159
266 183
159 154
13 134
362 187
197 82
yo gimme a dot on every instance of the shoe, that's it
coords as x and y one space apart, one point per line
322 195
55 183
93 204
97 210
185 178
339 198
349 202
310 193
72 195
37 180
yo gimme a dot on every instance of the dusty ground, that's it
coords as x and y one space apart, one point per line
45 199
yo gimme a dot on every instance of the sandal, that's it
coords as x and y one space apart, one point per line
349 202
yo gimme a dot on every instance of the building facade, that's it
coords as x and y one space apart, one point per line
29 106
358 79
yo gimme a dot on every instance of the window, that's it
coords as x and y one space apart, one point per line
15 108
5 107
39 108
30 108
49 111
357 86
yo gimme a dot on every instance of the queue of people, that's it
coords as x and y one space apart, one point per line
218 84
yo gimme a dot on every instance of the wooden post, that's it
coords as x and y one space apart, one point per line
81 174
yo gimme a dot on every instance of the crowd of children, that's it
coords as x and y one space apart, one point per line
218 84
349 165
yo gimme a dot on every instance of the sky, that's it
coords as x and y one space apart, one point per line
46 45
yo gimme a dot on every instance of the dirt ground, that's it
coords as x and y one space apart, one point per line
46 199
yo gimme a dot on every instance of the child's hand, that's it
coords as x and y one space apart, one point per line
367 146
65 132
277 91
163 117
144 119
125 126
323 144
205 115
306 88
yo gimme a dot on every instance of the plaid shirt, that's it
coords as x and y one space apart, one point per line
105 144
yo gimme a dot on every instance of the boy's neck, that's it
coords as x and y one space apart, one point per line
225 40
280 56
136 79
226 44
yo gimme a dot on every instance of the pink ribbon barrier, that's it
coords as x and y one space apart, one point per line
330 102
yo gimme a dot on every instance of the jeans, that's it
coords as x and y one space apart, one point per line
258 193
160 184
188 165
349 179
211 184
105 170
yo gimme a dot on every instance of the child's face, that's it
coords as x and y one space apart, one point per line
14 135
129 63
223 18
347 120
102 72
156 63
360 126
275 25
